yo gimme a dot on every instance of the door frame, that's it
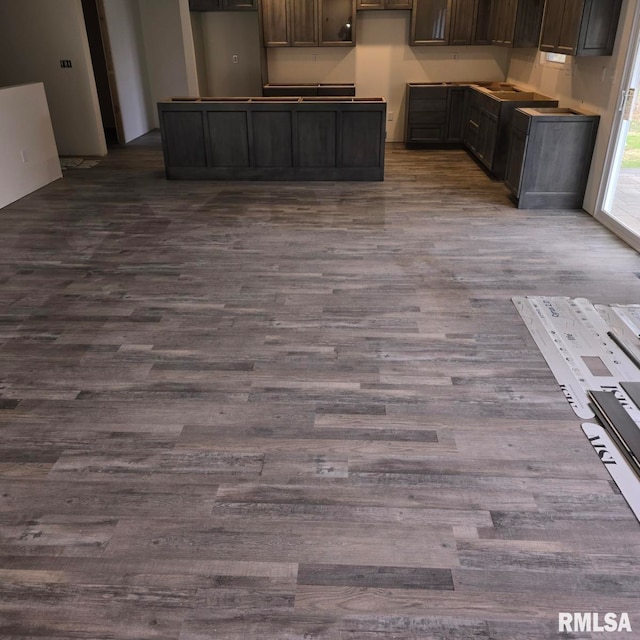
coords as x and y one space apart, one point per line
614 152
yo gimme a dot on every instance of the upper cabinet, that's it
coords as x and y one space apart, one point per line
451 22
580 27
337 22
308 23
223 5
516 23
430 22
363 5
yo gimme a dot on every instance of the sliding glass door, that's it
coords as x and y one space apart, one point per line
620 199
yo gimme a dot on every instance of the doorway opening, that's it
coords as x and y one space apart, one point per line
103 71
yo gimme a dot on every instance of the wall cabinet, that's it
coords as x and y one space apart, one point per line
363 5
550 156
308 23
451 22
580 27
516 23
223 5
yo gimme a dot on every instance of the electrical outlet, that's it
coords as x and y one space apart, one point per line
314 57
234 59
454 55
65 64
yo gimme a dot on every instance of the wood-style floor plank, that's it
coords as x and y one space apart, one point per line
289 411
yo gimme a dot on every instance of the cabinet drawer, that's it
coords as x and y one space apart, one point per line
427 117
426 133
428 92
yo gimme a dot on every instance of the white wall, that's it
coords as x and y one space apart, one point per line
589 83
382 63
28 154
225 34
165 51
127 50
34 36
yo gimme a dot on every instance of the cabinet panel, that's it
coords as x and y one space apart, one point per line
515 163
205 5
528 22
426 134
462 21
456 113
223 5
570 27
359 147
599 28
246 5
272 139
275 29
184 138
370 4
337 26
229 138
317 138
398 4
430 22
303 22
551 27
482 23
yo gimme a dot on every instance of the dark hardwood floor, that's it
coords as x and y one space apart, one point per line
255 411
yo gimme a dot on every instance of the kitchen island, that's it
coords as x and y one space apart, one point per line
261 138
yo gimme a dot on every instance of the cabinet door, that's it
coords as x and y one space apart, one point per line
205 5
462 19
398 4
498 9
303 22
482 23
241 5
515 163
337 22
509 22
551 24
570 27
528 20
456 113
599 26
370 4
275 29
430 21
487 137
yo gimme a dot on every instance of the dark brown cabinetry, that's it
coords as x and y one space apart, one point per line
363 5
273 139
516 23
450 22
580 27
550 156
223 5
435 114
308 23
295 90
488 129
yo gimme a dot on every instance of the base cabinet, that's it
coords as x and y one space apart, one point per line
550 157
223 5
436 114
488 129
273 138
